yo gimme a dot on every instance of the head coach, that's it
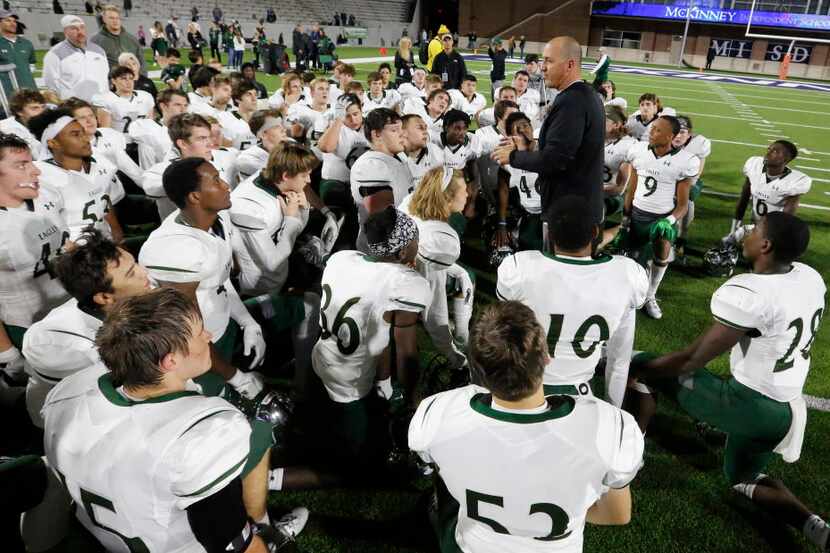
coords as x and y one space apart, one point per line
570 153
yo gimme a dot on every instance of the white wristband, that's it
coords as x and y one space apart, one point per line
9 355
671 219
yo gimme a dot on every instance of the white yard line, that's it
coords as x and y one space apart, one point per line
731 195
812 168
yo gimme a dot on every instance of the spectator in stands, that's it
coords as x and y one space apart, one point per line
270 15
194 36
404 62
351 20
115 40
238 48
88 7
14 49
337 19
142 36
56 7
217 14
522 43
249 74
158 42
73 67
344 19
449 64
435 45
170 33
128 6
215 34
710 56
142 82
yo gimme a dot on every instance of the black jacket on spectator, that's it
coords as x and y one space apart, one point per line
498 57
403 68
454 67
297 42
570 156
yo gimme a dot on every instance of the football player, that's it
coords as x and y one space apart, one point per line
24 104
441 193
235 122
379 96
416 87
530 225
431 110
290 93
152 136
543 466
616 170
89 187
420 153
310 121
268 127
487 116
770 185
190 134
200 80
270 212
461 148
107 143
651 108
343 74
379 178
124 104
33 231
183 471
582 302
97 274
467 99
192 251
220 97
657 198
698 145
527 98
768 319
490 136
368 301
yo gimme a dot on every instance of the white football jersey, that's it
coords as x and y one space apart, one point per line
524 480
334 163
771 195
489 138
153 141
224 160
111 145
781 314
87 196
377 170
580 302
177 252
236 129
30 237
525 183
615 155
470 106
486 117
125 110
640 129
153 459
418 106
251 161
456 157
657 177
430 157
55 347
357 292
267 236
196 98
389 98
11 125
701 147
409 90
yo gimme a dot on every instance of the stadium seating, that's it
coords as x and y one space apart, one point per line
295 11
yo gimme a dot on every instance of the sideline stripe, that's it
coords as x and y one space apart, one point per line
731 195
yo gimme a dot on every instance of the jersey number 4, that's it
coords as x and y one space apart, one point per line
787 361
556 322
43 265
559 518
340 319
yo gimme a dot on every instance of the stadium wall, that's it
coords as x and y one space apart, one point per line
492 17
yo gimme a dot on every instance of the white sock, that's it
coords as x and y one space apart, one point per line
265 520
816 531
275 477
748 489
656 274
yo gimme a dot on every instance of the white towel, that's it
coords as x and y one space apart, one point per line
790 446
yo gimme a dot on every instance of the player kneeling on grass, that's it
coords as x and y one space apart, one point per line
368 302
192 251
657 198
171 470
581 301
700 146
506 454
441 193
769 319
770 185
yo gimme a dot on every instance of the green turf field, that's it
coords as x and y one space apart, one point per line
681 503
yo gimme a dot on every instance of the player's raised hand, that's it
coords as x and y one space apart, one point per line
252 340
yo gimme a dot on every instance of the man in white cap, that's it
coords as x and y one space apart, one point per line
74 66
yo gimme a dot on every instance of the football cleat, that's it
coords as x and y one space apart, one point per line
285 531
652 309
721 261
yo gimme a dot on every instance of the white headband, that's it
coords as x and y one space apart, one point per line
54 130
270 123
447 179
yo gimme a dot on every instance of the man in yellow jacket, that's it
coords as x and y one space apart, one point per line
435 46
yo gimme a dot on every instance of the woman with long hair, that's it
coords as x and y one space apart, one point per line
404 61
238 48
158 42
142 82
441 193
